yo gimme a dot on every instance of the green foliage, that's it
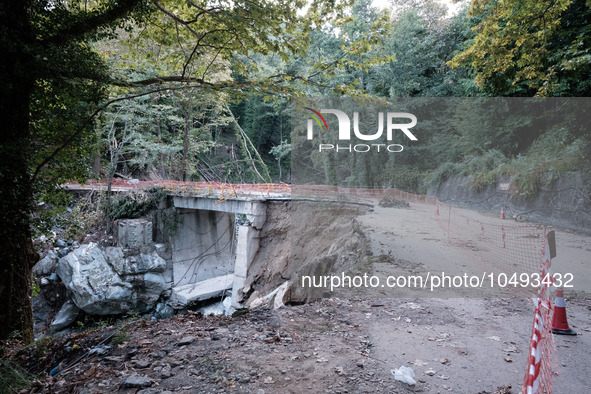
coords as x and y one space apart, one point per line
530 47
240 312
483 170
84 217
136 204
69 82
42 344
491 160
445 171
421 48
485 124
550 156
51 210
36 289
554 154
13 378
252 155
281 151
59 110
404 178
197 42
121 337
161 135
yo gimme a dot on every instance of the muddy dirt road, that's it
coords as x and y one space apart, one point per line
474 340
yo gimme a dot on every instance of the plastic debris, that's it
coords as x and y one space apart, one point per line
404 375
100 350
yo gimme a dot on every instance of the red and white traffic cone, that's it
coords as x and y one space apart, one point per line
559 321
502 213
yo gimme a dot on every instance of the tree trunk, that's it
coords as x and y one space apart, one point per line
17 255
159 130
185 146
96 164
109 221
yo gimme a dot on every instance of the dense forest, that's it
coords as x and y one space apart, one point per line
201 90
412 49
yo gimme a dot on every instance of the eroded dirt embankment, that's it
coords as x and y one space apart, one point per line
305 238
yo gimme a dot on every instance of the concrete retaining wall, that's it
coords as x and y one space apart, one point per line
202 247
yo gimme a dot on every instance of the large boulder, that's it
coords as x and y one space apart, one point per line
135 264
66 316
46 266
107 283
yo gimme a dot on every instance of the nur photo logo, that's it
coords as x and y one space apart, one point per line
395 122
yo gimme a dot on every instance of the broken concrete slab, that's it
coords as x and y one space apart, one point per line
276 297
184 295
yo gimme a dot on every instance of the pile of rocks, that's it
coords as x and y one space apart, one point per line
101 280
